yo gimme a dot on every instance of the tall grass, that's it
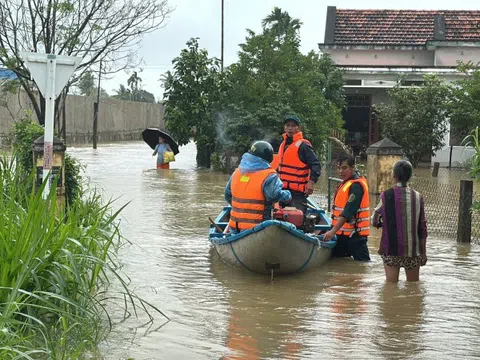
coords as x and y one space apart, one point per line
473 140
53 271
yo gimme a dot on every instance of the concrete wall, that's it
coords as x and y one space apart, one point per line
118 120
354 57
449 56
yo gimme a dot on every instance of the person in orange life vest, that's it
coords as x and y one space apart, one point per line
350 212
299 167
253 188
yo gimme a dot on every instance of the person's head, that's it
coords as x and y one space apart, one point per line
291 125
345 166
402 171
263 150
161 140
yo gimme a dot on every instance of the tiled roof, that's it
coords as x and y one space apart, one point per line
403 27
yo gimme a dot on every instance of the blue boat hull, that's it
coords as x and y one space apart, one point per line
273 245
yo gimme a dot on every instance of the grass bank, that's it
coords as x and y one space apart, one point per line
54 271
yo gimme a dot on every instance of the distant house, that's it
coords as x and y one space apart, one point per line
376 47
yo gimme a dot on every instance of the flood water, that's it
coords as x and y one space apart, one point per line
344 310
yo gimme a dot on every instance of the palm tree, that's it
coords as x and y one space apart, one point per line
123 93
134 81
281 23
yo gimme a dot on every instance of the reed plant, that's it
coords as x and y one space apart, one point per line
54 270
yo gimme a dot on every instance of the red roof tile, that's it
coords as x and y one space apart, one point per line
403 27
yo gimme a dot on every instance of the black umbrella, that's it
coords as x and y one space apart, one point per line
151 135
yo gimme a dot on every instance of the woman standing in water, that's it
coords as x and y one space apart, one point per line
160 150
401 215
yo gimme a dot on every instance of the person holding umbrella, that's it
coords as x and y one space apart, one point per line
162 144
160 150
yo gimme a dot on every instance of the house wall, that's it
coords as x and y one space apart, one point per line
354 57
450 56
379 95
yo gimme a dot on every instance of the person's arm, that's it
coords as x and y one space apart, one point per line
422 231
377 220
349 211
155 151
273 190
377 213
228 191
307 156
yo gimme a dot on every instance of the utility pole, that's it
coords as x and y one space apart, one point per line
221 61
95 109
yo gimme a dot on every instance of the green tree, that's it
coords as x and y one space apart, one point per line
123 93
272 78
134 82
465 104
281 24
192 94
416 117
86 86
135 91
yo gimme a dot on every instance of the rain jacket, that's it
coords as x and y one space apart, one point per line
272 187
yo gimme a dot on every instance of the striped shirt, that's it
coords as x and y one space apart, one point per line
401 214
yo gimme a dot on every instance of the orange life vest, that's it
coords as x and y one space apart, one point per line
293 172
275 162
248 201
360 223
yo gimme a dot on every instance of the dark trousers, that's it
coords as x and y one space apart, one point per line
299 200
355 246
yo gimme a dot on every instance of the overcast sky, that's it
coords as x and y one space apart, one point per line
201 18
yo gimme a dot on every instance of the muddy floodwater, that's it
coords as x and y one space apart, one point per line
344 310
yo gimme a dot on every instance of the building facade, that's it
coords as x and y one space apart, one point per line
376 48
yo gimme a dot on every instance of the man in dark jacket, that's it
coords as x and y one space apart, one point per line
299 167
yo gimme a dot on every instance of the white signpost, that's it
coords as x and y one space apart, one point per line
51 73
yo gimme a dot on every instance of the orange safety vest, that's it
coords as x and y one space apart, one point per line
248 201
293 172
360 223
275 162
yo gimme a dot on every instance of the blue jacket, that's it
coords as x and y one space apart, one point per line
272 187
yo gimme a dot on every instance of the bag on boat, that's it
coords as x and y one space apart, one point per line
168 156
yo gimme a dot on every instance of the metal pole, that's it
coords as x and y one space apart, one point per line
221 61
49 115
64 118
450 157
96 109
464 229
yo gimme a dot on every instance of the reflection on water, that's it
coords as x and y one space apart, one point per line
343 310
401 316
